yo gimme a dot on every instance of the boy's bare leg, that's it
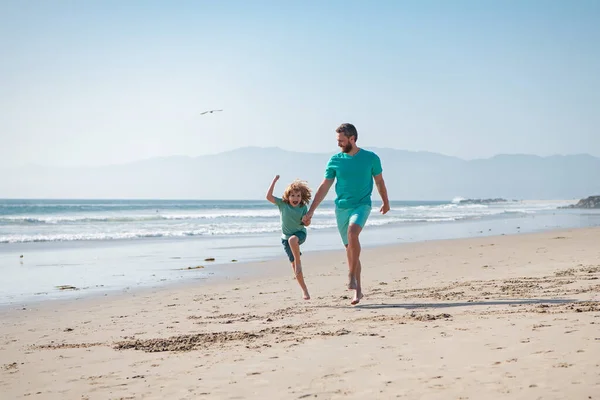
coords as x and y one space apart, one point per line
295 246
354 266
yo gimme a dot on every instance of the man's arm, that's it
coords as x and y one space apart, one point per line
319 196
270 196
380 183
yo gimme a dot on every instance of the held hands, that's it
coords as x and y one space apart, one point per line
306 219
384 208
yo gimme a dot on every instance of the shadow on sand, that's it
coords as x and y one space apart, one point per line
411 306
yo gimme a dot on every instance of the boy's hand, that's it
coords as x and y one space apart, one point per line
306 219
276 178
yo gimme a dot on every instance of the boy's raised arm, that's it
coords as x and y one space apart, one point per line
270 196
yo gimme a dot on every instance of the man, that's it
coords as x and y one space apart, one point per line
354 170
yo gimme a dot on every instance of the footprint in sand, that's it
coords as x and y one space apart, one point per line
563 365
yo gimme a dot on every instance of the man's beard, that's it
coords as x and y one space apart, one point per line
347 148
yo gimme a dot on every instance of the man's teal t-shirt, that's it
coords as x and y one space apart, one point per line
354 177
291 218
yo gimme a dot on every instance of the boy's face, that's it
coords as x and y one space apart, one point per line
294 198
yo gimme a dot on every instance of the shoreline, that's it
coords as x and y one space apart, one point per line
225 250
256 270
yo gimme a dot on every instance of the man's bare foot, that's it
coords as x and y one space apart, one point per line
306 296
356 299
351 282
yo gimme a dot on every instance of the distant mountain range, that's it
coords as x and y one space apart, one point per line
245 173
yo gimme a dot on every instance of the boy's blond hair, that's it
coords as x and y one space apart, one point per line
298 186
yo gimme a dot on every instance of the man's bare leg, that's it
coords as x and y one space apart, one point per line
353 253
351 281
357 274
295 247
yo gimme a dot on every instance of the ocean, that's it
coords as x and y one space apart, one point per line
104 245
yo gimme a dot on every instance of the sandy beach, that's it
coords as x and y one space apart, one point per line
509 317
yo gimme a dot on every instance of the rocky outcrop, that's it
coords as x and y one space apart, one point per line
590 202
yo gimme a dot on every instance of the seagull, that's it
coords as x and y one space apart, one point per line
209 112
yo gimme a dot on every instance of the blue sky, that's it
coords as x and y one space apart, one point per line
101 82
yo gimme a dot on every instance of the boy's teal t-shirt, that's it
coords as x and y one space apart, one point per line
291 218
354 177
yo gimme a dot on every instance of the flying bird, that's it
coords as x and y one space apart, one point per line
209 112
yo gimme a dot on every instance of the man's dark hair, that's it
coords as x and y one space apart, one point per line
348 130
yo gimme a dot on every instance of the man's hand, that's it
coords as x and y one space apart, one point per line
384 208
383 193
306 219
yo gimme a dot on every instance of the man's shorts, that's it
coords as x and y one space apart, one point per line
286 244
347 216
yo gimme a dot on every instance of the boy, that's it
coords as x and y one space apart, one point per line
292 207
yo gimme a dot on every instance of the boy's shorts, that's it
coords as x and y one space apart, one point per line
347 216
286 244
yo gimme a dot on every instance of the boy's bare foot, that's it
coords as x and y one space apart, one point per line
357 298
306 296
